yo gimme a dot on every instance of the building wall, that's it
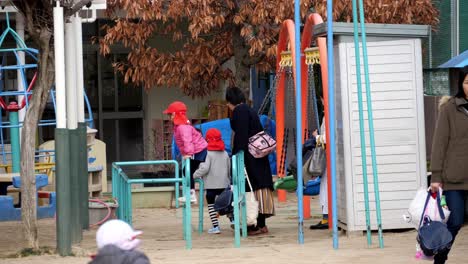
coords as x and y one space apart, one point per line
158 98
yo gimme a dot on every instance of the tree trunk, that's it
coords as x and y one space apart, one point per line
28 138
241 55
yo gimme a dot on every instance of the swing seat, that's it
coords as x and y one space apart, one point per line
287 183
312 187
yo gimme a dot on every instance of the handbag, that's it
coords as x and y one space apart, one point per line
261 144
306 175
223 202
319 161
433 236
251 204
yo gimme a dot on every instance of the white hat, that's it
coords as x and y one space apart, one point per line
119 234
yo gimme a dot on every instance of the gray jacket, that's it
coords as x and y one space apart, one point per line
215 171
111 254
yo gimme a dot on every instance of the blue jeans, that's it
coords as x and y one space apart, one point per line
456 204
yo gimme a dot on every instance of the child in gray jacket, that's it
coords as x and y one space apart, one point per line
215 172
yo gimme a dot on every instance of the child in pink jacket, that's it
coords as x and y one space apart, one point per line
190 142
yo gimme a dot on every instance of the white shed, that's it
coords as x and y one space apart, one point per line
396 76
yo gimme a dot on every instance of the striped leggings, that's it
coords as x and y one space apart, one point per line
210 199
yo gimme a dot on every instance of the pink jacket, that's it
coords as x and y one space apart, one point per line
189 140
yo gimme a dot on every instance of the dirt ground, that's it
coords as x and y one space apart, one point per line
163 243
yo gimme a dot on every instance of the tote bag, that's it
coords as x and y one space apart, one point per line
251 204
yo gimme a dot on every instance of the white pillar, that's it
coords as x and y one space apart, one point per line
76 20
70 73
20 31
59 50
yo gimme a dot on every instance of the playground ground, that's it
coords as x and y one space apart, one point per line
162 242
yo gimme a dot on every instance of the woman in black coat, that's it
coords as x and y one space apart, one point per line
246 123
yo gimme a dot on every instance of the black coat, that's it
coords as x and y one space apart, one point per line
246 123
111 254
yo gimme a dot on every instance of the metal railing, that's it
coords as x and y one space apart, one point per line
240 210
121 190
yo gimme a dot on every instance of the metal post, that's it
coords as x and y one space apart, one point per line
82 145
75 224
62 161
241 183
15 140
235 181
83 175
361 124
72 125
128 190
61 139
370 120
71 96
76 20
115 193
331 109
59 50
187 206
20 72
297 47
201 191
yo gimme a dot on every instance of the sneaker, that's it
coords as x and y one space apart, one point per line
214 230
323 224
193 198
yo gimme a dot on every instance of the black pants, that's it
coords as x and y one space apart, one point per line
261 220
456 204
211 195
194 164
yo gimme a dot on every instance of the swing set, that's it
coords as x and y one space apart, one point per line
295 62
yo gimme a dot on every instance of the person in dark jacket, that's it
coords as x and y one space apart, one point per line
117 243
449 161
246 123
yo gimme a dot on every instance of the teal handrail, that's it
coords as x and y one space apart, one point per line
121 190
369 116
240 210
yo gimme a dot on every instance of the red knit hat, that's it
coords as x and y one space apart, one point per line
213 137
175 107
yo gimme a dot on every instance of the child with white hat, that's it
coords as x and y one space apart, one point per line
117 242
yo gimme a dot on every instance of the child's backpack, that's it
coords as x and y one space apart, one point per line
223 202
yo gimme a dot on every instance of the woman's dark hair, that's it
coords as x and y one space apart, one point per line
461 78
235 96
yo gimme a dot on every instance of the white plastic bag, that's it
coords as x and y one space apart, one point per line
416 206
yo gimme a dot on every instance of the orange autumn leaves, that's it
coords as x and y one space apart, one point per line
203 34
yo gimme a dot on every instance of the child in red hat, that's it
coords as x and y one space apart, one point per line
190 142
215 173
